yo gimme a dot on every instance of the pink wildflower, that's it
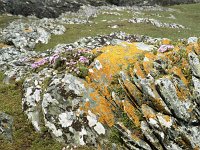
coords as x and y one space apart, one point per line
83 59
164 48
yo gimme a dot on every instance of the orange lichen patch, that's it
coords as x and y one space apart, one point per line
182 93
135 94
150 56
130 72
166 41
173 56
2 45
114 59
167 118
180 74
184 63
193 47
131 111
88 80
197 48
176 48
28 30
138 71
147 112
157 101
147 65
87 104
103 109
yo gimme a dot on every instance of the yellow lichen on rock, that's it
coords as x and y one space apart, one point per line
131 111
193 47
103 109
166 41
180 74
114 59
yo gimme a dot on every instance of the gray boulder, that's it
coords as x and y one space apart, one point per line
6 123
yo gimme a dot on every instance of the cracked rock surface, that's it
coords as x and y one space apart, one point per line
157 93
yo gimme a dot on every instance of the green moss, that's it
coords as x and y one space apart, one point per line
127 121
5 20
115 136
83 71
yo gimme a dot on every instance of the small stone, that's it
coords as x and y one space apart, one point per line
6 124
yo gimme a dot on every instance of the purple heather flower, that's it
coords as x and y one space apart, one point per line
164 48
34 65
39 63
53 58
83 59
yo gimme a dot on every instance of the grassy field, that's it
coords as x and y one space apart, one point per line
187 15
24 136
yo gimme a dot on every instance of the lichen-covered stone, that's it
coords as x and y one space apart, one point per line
194 63
151 100
6 124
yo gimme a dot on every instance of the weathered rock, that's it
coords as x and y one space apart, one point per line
148 98
168 92
27 35
50 8
61 105
196 83
6 123
195 64
156 23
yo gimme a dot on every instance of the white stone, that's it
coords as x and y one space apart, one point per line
28 92
92 119
153 121
56 132
66 119
98 64
144 47
146 59
91 70
192 40
165 122
99 128
37 95
82 133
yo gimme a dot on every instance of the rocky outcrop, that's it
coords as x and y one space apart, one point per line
156 23
147 97
44 8
6 124
25 35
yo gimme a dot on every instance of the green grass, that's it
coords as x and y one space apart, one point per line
187 15
4 20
